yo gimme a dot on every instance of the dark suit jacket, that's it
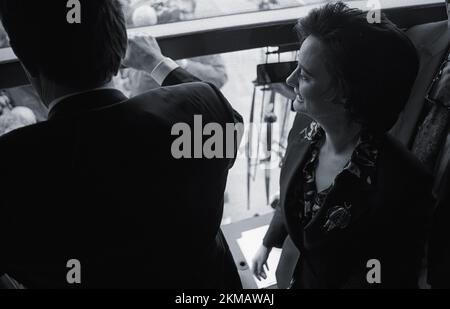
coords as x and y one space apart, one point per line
97 182
388 222
431 41
439 246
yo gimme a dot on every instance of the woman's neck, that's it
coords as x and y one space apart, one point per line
342 137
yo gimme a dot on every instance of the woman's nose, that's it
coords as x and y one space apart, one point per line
292 80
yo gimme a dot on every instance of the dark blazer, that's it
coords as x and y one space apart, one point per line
432 42
439 245
388 222
97 182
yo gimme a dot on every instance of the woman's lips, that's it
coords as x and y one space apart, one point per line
299 97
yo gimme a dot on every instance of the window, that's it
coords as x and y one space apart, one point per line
254 182
151 12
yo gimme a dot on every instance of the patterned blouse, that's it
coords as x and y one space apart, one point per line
362 165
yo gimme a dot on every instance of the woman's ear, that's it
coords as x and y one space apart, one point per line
340 93
334 95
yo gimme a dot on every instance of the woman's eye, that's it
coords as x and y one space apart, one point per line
302 76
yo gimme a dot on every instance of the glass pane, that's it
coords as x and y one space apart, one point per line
20 107
151 12
4 42
141 13
254 180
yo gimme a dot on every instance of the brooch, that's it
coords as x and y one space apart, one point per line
338 217
311 132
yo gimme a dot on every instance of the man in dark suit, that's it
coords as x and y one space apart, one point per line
432 130
439 247
424 128
431 41
93 197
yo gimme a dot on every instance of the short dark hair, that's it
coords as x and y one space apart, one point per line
87 54
374 64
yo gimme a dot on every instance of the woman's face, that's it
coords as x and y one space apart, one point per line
313 84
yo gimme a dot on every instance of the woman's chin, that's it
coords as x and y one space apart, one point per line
299 106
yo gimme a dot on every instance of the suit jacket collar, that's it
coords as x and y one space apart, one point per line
85 102
438 42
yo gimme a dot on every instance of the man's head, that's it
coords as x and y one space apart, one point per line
75 56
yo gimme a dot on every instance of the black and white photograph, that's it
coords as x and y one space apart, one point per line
224 150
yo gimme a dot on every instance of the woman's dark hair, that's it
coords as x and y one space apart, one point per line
374 64
87 54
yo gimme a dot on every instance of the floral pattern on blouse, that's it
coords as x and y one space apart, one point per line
362 165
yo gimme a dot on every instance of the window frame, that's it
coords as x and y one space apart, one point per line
224 34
